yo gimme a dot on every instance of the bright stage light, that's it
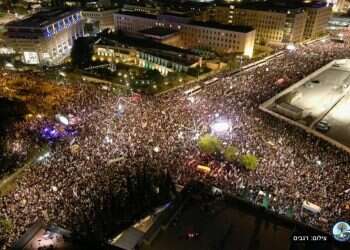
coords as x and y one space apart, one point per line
156 149
221 126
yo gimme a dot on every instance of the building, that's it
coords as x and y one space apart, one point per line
338 22
98 3
163 35
100 18
220 38
142 8
318 16
339 6
45 37
273 23
145 53
327 118
277 22
198 10
40 236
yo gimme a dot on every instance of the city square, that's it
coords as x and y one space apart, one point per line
163 135
317 103
104 127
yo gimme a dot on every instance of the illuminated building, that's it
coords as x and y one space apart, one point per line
145 53
46 37
339 5
277 22
273 23
208 35
102 18
317 21
142 8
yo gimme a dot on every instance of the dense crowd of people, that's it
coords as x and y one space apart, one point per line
118 135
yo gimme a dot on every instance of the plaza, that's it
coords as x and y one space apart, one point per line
318 103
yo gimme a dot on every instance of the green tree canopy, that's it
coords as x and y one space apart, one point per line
231 153
249 161
209 144
82 52
5 226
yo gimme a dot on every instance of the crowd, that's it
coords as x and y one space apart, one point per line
117 136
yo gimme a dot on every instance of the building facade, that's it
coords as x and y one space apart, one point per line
318 17
209 35
339 6
102 19
279 25
46 37
145 53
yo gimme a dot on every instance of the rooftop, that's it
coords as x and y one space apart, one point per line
150 47
284 6
207 221
158 31
324 97
214 25
137 14
43 18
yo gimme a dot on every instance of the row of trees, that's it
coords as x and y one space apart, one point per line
212 145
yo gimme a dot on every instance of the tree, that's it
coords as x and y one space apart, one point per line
82 52
231 153
209 144
5 226
249 161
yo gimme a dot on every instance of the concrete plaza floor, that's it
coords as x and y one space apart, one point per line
323 96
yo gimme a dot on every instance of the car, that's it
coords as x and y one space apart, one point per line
322 126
